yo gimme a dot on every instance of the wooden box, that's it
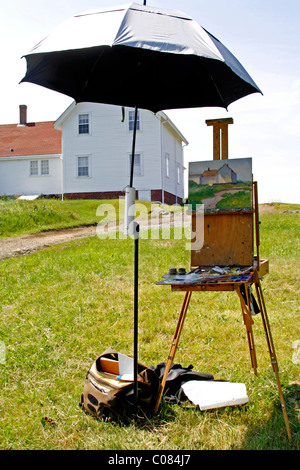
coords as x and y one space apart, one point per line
226 239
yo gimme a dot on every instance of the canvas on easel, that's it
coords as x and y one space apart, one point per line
225 189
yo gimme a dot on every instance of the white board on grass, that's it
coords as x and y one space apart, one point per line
213 394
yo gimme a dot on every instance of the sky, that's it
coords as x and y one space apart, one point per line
262 34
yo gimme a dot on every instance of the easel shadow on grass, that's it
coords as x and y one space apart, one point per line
265 435
270 435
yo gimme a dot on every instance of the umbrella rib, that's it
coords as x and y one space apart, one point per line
91 72
214 84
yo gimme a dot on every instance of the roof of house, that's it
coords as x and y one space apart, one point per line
37 138
210 172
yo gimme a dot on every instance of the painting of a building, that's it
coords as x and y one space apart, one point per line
218 176
221 187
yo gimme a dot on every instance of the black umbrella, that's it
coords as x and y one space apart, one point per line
142 57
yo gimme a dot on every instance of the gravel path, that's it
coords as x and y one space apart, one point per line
22 245
16 246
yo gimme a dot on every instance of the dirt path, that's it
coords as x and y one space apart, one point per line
22 245
26 244
211 202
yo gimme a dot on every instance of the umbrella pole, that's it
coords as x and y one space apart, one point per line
136 273
136 284
133 146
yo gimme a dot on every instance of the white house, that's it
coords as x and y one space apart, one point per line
30 157
93 158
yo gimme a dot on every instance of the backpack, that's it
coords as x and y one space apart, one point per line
177 376
107 398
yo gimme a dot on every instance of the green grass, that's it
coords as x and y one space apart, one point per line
63 306
235 201
19 217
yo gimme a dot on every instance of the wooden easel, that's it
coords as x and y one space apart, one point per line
220 137
260 268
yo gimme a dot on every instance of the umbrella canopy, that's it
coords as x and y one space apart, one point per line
137 55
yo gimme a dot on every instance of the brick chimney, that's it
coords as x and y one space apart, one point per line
23 115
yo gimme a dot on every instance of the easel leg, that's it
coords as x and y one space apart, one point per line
173 347
248 323
274 363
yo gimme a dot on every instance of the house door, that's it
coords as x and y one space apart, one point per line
145 195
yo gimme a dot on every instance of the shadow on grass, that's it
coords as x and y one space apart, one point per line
272 435
268 435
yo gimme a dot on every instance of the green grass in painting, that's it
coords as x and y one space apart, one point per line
63 306
241 199
235 200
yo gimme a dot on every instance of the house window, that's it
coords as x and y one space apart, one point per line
83 124
44 167
137 168
39 167
167 166
82 166
34 168
131 120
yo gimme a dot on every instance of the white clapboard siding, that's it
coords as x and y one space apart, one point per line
173 149
15 176
109 145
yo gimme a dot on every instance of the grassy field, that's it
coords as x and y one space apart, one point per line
63 306
19 217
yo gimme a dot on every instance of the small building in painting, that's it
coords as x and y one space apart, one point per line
222 175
